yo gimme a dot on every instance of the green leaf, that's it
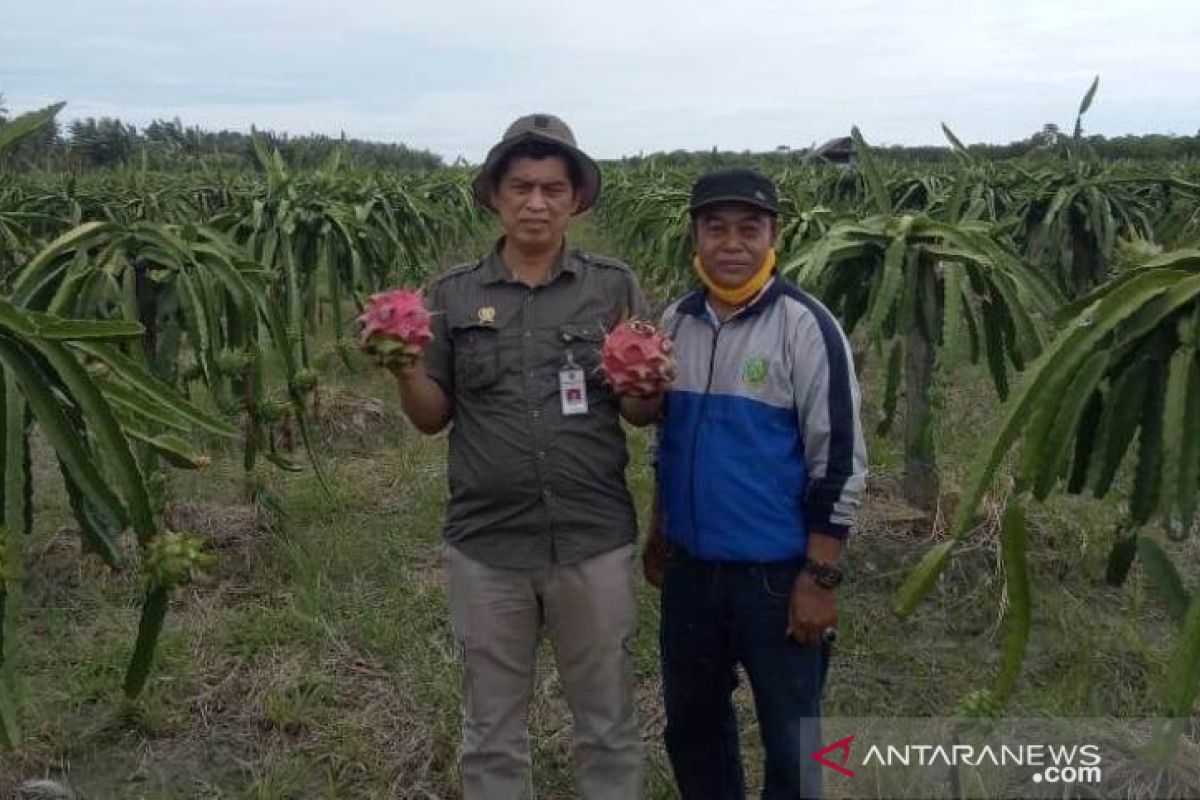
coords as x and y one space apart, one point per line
154 611
10 731
1120 559
198 316
956 145
1119 422
1048 439
1164 577
18 477
138 378
1086 437
954 335
876 188
178 452
77 329
1147 480
282 462
1183 669
45 266
1181 443
921 579
1016 581
104 426
14 130
891 280
61 433
1053 369
99 533
892 390
1085 105
131 405
993 337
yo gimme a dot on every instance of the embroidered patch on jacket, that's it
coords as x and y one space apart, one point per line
754 371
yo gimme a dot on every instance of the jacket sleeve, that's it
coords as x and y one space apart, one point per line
827 402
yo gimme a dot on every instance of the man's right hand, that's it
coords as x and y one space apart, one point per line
398 362
421 398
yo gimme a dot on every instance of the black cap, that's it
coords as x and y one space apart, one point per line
734 186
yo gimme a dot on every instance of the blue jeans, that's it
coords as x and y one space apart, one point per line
716 615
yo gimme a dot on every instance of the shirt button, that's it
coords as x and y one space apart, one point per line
528 334
541 453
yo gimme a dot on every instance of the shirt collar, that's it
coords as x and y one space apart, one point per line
496 271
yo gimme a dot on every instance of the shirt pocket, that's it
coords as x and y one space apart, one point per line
581 342
477 351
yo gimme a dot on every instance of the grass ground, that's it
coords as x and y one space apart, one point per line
317 661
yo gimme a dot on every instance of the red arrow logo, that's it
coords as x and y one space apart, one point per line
843 747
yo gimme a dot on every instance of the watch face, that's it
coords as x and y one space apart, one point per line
825 575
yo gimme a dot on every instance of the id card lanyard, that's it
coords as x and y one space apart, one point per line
572 388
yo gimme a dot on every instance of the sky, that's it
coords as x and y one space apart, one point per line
629 76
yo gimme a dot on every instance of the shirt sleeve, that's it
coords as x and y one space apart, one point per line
439 353
828 402
635 302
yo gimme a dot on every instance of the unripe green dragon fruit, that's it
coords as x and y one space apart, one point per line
305 380
233 361
173 559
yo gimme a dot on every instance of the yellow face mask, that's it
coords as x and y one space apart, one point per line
743 293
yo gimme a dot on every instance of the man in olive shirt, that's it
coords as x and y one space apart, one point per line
540 523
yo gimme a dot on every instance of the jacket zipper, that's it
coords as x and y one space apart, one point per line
712 360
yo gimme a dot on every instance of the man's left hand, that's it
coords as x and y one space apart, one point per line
812 610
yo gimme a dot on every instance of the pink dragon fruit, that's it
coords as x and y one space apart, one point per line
636 358
394 321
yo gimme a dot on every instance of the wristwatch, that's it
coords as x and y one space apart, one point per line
824 574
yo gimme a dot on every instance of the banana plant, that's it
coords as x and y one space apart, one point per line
930 294
1125 368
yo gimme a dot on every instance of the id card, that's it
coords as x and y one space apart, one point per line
572 390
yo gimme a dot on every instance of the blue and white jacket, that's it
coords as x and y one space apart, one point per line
761 439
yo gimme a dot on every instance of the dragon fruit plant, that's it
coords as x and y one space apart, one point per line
394 323
637 358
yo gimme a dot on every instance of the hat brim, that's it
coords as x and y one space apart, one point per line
733 200
588 191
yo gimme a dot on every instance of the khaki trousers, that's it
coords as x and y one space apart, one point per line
590 612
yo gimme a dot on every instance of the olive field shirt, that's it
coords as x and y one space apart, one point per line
530 486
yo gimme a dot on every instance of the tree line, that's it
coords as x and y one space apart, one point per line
169 145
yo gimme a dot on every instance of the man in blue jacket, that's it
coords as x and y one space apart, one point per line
761 467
